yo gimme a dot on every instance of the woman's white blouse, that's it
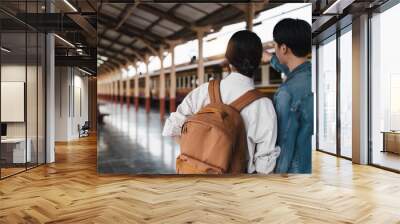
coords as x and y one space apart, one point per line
259 118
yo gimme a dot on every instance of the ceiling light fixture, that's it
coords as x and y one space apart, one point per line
64 40
5 50
337 7
86 72
70 5
103 58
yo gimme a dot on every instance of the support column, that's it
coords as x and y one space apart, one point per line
136 88
111 86
200 68
147 84
162 83
172 76
249 16
50 96
200 61
115 91
111 80
200 64
128 92
360 90
121 88
110 90
108 85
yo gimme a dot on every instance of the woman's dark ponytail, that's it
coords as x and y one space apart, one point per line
246 68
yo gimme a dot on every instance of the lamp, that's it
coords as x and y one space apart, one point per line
5 50
70 5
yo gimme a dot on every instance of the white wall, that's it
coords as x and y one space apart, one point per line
34 124
71 94
12 73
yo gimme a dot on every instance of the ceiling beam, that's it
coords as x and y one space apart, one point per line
148 44
91 5
135 55
130 30
115 40
102 69
164 15
120 43
106 66
125 14
111 57
84 24
140 57
260 5
215 15
106 48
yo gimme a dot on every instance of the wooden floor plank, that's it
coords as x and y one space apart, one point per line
71 191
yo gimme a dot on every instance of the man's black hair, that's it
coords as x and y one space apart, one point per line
295 34
244 51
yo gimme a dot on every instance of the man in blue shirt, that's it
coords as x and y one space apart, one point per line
294 99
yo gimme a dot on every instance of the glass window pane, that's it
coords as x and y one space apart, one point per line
327 96
31 97
385 91
41 99
15 151
346 94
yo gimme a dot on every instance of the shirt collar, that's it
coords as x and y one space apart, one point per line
239 77
305 66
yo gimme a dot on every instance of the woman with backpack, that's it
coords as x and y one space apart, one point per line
226 126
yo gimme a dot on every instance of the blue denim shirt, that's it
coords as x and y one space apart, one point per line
294 105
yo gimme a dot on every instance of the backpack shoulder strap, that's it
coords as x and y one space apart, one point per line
246 99
214 92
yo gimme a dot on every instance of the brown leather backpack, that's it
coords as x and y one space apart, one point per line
213 141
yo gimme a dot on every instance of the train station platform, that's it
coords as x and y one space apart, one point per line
130 142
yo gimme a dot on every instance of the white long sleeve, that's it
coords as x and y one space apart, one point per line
259 119
190 105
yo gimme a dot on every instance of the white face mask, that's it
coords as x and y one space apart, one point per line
284 77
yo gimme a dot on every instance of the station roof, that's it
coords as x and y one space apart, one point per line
127 32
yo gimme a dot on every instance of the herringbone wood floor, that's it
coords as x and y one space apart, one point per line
70 191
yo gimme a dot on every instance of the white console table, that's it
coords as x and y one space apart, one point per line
18 145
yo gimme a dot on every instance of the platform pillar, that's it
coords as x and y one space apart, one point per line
162 83
136 89
200 60
147 84
121 91
249 16
115 98
172 90
128 92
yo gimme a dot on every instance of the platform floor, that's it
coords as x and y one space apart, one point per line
130 142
